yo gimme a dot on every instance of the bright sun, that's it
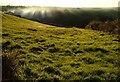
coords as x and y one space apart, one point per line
63 3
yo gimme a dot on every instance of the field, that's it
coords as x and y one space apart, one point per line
36 51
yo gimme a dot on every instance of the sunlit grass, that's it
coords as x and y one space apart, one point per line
44 52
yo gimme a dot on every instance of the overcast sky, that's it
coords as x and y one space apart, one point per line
63 3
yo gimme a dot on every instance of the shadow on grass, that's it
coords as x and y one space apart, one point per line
96 50
8 68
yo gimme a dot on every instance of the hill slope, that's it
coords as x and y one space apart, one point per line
35 51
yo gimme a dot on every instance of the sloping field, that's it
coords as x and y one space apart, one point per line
35 51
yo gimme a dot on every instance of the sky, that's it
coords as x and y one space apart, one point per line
62 3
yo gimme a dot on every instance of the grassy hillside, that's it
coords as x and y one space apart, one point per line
35 51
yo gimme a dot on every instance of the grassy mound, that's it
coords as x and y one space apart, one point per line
35 51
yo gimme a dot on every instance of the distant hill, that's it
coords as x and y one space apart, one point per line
69 17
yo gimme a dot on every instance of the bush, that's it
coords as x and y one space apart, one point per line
51 70
88 60
107 26
93 78
36 50
96 50
9 66
68 52
5 34
53 49
97 72
77 65
40 40
31 29
6 44
17 46
28 72
93 25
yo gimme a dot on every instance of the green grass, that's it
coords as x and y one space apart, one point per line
42 52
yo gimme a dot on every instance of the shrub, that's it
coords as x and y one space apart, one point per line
97 72
93 25
28 72
31 29
18 38
82 73
77 65
6 44
53 49
107 26
68 52
50 45
51 70
78 51
93 78
9 66
96 50
40 40
88 60
17 46
48 60
36 50
5 34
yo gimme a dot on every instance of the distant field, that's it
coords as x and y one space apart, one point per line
36 51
